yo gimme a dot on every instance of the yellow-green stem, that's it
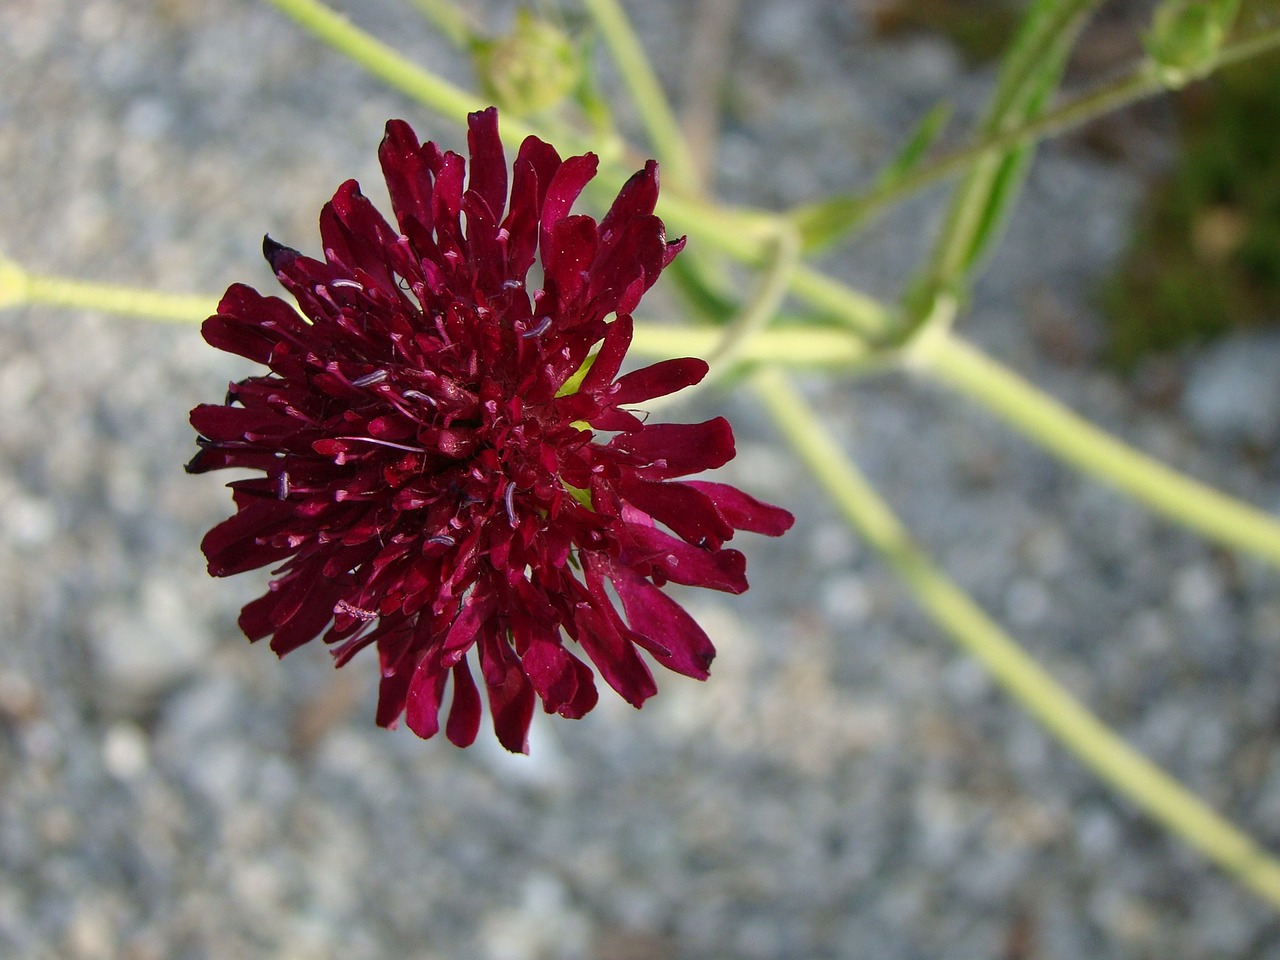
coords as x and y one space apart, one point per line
638 76
787 346
1030 73
1096 746
449 20
760 309
150 304
1078 442
792 345
744 235
1141 82
390 66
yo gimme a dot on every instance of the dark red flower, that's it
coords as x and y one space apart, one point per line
434 479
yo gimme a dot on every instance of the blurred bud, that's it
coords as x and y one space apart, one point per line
532 69
1186 35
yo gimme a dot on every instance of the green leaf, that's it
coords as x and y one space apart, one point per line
1005 181
827 221
926 133
982 202
701 291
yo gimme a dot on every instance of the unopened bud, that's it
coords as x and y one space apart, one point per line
1185 37
530 70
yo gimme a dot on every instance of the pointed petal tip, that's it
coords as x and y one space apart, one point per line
277 254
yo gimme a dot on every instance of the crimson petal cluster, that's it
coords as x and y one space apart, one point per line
435 478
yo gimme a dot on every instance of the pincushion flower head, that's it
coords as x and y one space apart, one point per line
452 467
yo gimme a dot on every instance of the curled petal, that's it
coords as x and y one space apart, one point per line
613 654
510 694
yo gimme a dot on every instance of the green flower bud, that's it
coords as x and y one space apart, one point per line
1185 37
532 69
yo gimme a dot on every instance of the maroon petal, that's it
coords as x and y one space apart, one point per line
682 507
743 511
355 235
510 694
561 680
678 449
422 707
408 175
245 540
566 184
246 322
255 618
637 198
446 203
393 650
659 380
627 265
224 424
488 176
609 359
535 165
662 626
613 655
682 562
567 250
464 714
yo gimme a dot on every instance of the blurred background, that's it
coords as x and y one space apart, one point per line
846 785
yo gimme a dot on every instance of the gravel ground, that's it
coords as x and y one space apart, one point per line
847 785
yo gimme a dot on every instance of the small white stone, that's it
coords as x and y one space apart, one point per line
124 751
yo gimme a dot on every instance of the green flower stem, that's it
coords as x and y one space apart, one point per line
1083 445
1096 746
744 235
793 345
13 284
1039 42
981 202
449 20
1142 82
788 346
389 66
149 304
757 312
747 236
863 314
637 73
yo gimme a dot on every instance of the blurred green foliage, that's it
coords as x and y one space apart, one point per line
980 29
1206 251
